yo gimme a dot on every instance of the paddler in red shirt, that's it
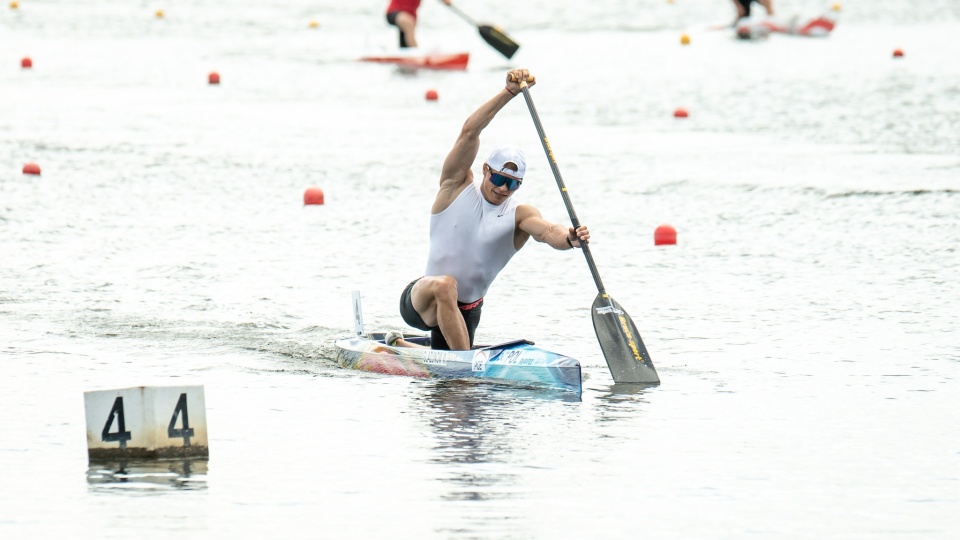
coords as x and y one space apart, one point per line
403 15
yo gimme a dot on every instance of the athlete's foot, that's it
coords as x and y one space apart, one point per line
392 338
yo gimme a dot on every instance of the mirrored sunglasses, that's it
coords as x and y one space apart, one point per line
498 180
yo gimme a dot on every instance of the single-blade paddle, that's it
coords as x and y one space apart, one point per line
491 34
626 356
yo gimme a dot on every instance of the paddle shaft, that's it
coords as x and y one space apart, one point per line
563 188
462 14
491 34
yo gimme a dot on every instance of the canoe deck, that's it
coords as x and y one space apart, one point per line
516 361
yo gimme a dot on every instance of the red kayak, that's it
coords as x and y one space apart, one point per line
455 61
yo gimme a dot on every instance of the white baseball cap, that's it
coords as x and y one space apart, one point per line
500 157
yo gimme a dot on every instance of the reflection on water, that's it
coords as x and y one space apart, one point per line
474 425
148 475
466 422
618 400
625 391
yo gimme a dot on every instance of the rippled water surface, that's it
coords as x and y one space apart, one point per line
804 328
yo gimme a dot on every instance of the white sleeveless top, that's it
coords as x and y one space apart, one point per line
472 240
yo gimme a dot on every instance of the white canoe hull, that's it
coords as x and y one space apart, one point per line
516 362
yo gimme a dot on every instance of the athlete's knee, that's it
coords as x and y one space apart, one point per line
404 19
444 289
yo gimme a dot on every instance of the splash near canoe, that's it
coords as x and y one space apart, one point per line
454 61
512 362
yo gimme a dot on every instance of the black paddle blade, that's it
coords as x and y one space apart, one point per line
498 40
626 355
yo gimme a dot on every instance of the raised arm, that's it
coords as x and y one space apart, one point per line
456 173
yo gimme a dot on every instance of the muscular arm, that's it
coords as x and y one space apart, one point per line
456 171
530 223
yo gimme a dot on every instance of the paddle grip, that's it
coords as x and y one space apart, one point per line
523 84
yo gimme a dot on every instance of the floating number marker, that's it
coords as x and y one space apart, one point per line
146 422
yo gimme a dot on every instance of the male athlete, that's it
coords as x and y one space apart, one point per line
475 228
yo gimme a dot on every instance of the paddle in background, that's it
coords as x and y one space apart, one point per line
626 356
491 34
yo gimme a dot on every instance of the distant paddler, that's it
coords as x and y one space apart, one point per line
476 227
403 15
743 8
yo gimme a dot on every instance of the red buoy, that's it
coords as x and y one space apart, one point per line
31 168
213 78
898 53
432 95
665 235
680 113
26 63
313 195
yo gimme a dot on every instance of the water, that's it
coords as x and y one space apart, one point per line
805 327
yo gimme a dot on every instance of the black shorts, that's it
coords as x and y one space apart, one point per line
470 313
746 6
392 19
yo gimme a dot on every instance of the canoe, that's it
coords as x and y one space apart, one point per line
518 362
454 61
815 27
753 28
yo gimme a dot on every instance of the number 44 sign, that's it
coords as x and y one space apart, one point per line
146 422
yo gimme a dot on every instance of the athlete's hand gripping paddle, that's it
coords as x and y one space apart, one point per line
619 339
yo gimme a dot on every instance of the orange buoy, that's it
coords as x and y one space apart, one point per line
26 63
680 113
213 78
898 53
314 24
665 235
313 195
684 39
432 95
158 13
14 5
31 168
